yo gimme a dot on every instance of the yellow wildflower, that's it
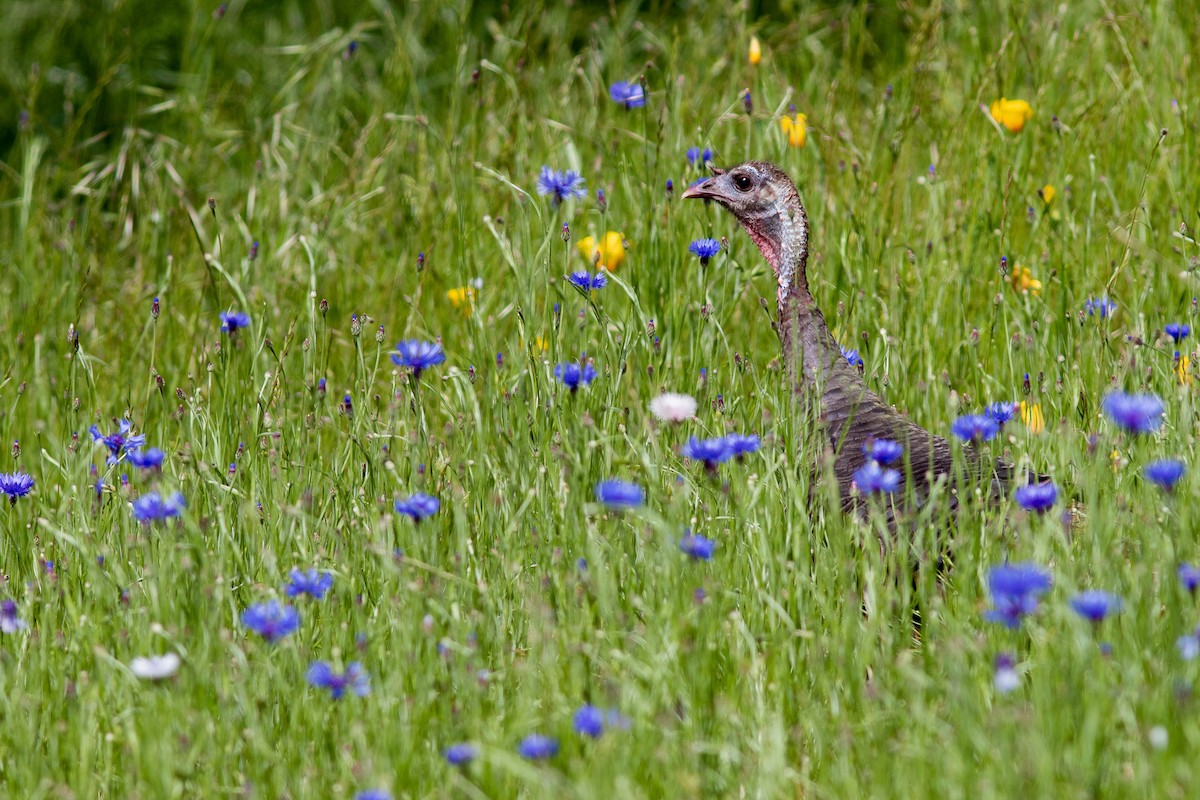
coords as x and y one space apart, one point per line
463 297
796 129
1182 365
1047 194
608 255
1031 415
1022 280
543 344
1012 114
755 51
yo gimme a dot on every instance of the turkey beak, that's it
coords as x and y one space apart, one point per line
705 190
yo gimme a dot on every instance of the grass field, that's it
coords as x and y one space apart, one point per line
351 175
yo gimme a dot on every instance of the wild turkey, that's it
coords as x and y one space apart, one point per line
764 200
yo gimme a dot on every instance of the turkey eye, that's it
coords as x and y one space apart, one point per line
742 182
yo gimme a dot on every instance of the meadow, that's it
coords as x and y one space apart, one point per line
219 222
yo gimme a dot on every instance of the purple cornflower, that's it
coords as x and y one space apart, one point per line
355 678
1104 307
417 355
741 444
882 451
852 357
1136 413
120 442
1015 589
561 186
10 619
271 620
696 547
153 507
589 721
309 582
1094 605
459 755
418 506
710 451
704 249
1037 496
619 494
372 794
628 94
233 321
1006 678
535 747
587 281
1165 473
1189 576
975 428
872 478
573 375
150 458
1001 412
15 484
1178 331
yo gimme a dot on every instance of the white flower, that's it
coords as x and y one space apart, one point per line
155 668
671 407
1158 737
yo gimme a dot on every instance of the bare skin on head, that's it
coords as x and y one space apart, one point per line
765 202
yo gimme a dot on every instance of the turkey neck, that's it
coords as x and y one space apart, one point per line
813 359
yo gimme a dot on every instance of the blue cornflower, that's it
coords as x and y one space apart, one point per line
1015 589
271 620
459 755
975 427
1136 413
628 94
233 321
1189 645
1178 331
1001 412
150 458
693 154
872 478
1104 307
589 721
418 506
10 617
418 355
852 357
1037 496
310 582
15 484
1096 604
1166 472
536 746
561 186
883 451
696 547
1189 576
372 794
619 494
740 444
710 451
704 249
587 281
153 507
354 678
120 442
574 375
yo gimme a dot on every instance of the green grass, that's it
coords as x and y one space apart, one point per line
343 169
